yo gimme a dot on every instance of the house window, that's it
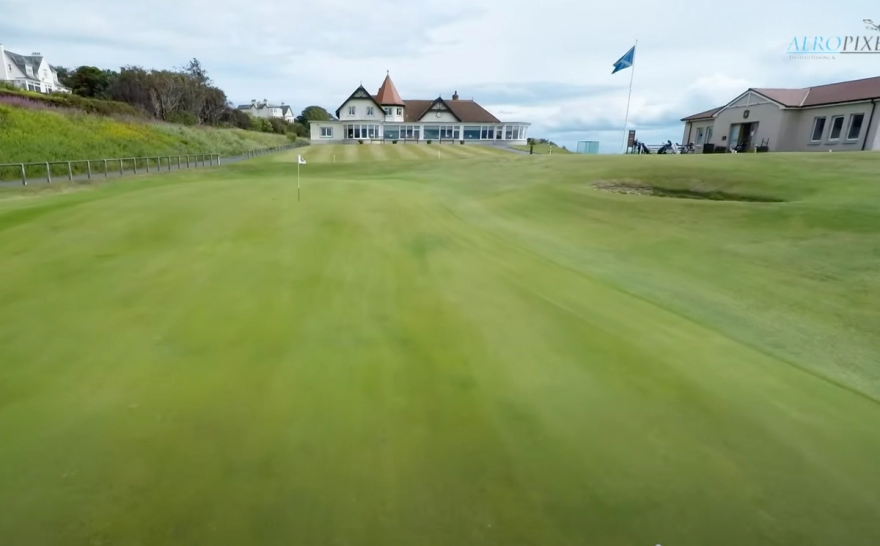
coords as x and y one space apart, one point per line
508 132
388 111
855 126
836 128
371 111
449 131
709 135
432 132
701 133
29 70
352 110
326 132
400 111
349 131
392 132
487 133
818 129
472 133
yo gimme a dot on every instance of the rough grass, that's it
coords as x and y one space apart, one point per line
28 135
476 350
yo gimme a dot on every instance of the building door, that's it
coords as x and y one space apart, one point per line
735 131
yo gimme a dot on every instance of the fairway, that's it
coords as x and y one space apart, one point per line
475 348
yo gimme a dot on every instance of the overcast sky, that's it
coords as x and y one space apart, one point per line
547 62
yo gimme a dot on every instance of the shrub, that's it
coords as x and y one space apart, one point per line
393 142
291 137
360 141
462 143
184 118
429 141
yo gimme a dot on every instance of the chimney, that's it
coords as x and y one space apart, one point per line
253 101
455 96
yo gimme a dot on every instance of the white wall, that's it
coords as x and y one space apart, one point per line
394 118
361 111
431 117
798 138
768 115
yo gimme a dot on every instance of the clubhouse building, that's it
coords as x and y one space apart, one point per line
386 118
836 117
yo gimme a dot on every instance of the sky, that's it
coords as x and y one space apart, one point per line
548 63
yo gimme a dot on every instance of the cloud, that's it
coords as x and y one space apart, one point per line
547 63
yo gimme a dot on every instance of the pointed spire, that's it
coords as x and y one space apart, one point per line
388 95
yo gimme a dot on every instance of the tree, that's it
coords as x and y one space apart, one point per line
90 81
214 106
313 113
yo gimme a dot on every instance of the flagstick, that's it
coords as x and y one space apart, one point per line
297 180
631 77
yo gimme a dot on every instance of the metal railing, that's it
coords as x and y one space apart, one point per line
119 166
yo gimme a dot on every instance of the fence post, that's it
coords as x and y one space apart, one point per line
148 164
69 171
23 176
169 162
49 173
105 169
120 167
178 163
89 168
218 160
134 161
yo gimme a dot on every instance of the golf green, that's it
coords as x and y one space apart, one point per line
445 346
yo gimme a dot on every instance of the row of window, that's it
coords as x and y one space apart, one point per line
852 133
371 111
431 132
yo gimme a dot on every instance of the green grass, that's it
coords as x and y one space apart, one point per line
464 350
43 135
543 149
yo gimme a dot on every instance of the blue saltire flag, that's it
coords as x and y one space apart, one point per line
626 61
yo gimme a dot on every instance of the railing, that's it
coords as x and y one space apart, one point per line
119 166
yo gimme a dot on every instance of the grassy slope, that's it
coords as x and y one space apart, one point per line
474 351
40 135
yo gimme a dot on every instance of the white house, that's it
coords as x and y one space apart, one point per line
385 117
30 72
268 111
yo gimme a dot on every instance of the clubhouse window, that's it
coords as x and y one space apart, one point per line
818 129
326 132
472 132
432 132
855 126
361 131
352 110
371 111
449 131
836 128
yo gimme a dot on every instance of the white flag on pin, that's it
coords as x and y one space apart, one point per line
300 160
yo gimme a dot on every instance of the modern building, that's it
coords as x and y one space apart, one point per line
385 117
268 111
840 117
29 72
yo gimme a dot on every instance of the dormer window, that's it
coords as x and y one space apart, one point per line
30 70
400 111
371 111
388 111
352 110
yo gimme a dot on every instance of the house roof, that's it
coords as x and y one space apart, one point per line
820 95
467 111
388 95
791 98
356 92
22 61
703 115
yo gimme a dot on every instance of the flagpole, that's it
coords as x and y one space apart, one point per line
631 78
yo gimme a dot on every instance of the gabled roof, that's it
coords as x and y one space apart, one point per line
360 92
791 98
387 95
431 106
22 61
467 111
856 90
703 115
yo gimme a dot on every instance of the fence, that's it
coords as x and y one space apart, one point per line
106 167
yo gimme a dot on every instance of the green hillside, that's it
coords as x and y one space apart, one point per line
44 135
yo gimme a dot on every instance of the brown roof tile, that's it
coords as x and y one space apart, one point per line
868 88
785 97
467 111
387 95
703 115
